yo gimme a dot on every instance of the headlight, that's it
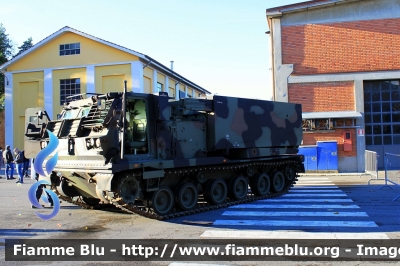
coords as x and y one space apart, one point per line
98 143
43 144
92 142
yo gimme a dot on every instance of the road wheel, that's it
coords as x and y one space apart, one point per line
216 191
238 188
186 196
278 181
162 201
260 184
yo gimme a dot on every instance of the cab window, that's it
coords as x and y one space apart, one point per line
136 128
69 114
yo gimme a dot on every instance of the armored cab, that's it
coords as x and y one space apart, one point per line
160 157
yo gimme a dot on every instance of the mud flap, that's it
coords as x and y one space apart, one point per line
103 183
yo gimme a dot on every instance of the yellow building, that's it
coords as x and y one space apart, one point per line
71 62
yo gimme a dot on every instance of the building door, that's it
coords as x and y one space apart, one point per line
310 157
327 156
27 96
382 117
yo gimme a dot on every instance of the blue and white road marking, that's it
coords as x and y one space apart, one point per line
313 203
297 223
295 214
294 206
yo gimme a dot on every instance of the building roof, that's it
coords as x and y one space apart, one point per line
145 58
305 6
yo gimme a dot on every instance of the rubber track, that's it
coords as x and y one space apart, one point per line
201 207
74 200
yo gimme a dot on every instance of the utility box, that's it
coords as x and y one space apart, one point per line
310 157
327 156
347 143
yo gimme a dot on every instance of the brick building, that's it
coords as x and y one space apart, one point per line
341 60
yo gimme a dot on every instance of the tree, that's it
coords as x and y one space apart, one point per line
6 46
2 103
6 52
25 46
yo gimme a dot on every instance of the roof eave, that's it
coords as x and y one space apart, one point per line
33 48
274 14
294 9
332 114
173 73
141 56
62 31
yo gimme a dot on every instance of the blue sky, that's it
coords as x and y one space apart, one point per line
220 45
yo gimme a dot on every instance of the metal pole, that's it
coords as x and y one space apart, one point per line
376 164
385 165
123 121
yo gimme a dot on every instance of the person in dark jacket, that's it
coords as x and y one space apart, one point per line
2 160
26 166
19 160
9 160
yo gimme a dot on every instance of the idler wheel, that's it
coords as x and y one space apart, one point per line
129 189
216 191
238 188
260 184
162 201
187 196
290 173
278 181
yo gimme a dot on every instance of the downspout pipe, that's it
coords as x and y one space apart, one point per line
177 90
148 63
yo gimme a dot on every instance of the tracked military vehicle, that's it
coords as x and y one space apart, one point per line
163 158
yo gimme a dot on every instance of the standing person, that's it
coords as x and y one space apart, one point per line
2 160
9 160
26 165
19 160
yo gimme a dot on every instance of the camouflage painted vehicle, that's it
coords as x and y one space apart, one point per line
163 158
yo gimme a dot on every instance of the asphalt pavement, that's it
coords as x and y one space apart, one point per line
364 208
